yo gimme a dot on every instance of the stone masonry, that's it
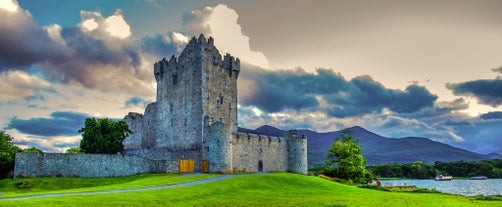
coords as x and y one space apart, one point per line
195 117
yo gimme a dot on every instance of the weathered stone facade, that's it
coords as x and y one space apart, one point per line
195 117
87 165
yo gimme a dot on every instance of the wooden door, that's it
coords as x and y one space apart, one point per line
186 166
205 166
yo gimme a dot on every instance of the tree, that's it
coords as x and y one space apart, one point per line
74 150
348 156
7 153
103 136
33 150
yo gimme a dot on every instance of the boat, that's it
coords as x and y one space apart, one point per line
443 178
479 178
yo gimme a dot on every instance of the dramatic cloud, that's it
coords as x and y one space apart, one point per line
136 101
23 41
485 91
17 84
492 115
274 91
221 23
59 124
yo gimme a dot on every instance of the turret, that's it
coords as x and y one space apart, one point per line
297 152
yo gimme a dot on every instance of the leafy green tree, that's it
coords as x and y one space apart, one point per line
33 149
74 150
103 136
7 153
348 156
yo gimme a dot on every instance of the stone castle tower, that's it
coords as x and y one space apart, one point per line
195 118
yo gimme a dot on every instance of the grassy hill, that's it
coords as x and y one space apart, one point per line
381 150
281 189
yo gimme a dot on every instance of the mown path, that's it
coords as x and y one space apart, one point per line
198 182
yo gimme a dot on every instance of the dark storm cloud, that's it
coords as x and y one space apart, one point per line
296 89
492 115
136 101
440 110
23 42
366 96
59 124
93 59
485 91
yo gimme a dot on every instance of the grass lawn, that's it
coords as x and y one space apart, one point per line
281 189
34 186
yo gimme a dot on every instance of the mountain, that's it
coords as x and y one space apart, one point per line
381 150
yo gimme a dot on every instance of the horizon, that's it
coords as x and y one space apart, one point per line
395 68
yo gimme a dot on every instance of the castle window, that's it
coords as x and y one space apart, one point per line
221 120
175 80
221 100
224 82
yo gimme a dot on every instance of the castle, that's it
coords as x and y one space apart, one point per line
192 127
194 119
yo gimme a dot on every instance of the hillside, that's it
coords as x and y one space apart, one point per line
380 150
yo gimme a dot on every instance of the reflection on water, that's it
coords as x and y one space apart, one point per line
462 187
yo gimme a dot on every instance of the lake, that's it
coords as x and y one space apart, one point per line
462 187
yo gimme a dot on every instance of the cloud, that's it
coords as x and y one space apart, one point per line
492 115
23 41
297 89
162 45
499 69
221 23
48 144
16 84
9 5
61 123
482 136
485 91
136 101
97 54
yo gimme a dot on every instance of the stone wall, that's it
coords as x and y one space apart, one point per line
249 150
87 165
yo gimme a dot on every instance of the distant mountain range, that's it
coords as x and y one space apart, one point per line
378 149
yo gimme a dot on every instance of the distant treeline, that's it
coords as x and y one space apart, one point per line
419 170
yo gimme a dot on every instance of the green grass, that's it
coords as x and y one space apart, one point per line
281 189
34 186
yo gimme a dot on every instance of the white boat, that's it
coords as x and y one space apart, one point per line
443 178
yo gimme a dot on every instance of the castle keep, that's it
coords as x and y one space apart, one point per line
194 119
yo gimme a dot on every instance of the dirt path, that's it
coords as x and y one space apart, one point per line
198 182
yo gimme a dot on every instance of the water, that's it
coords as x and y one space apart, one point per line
461 187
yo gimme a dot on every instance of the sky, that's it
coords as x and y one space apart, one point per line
398 68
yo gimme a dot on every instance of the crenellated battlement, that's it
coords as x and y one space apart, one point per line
259 137
195 117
